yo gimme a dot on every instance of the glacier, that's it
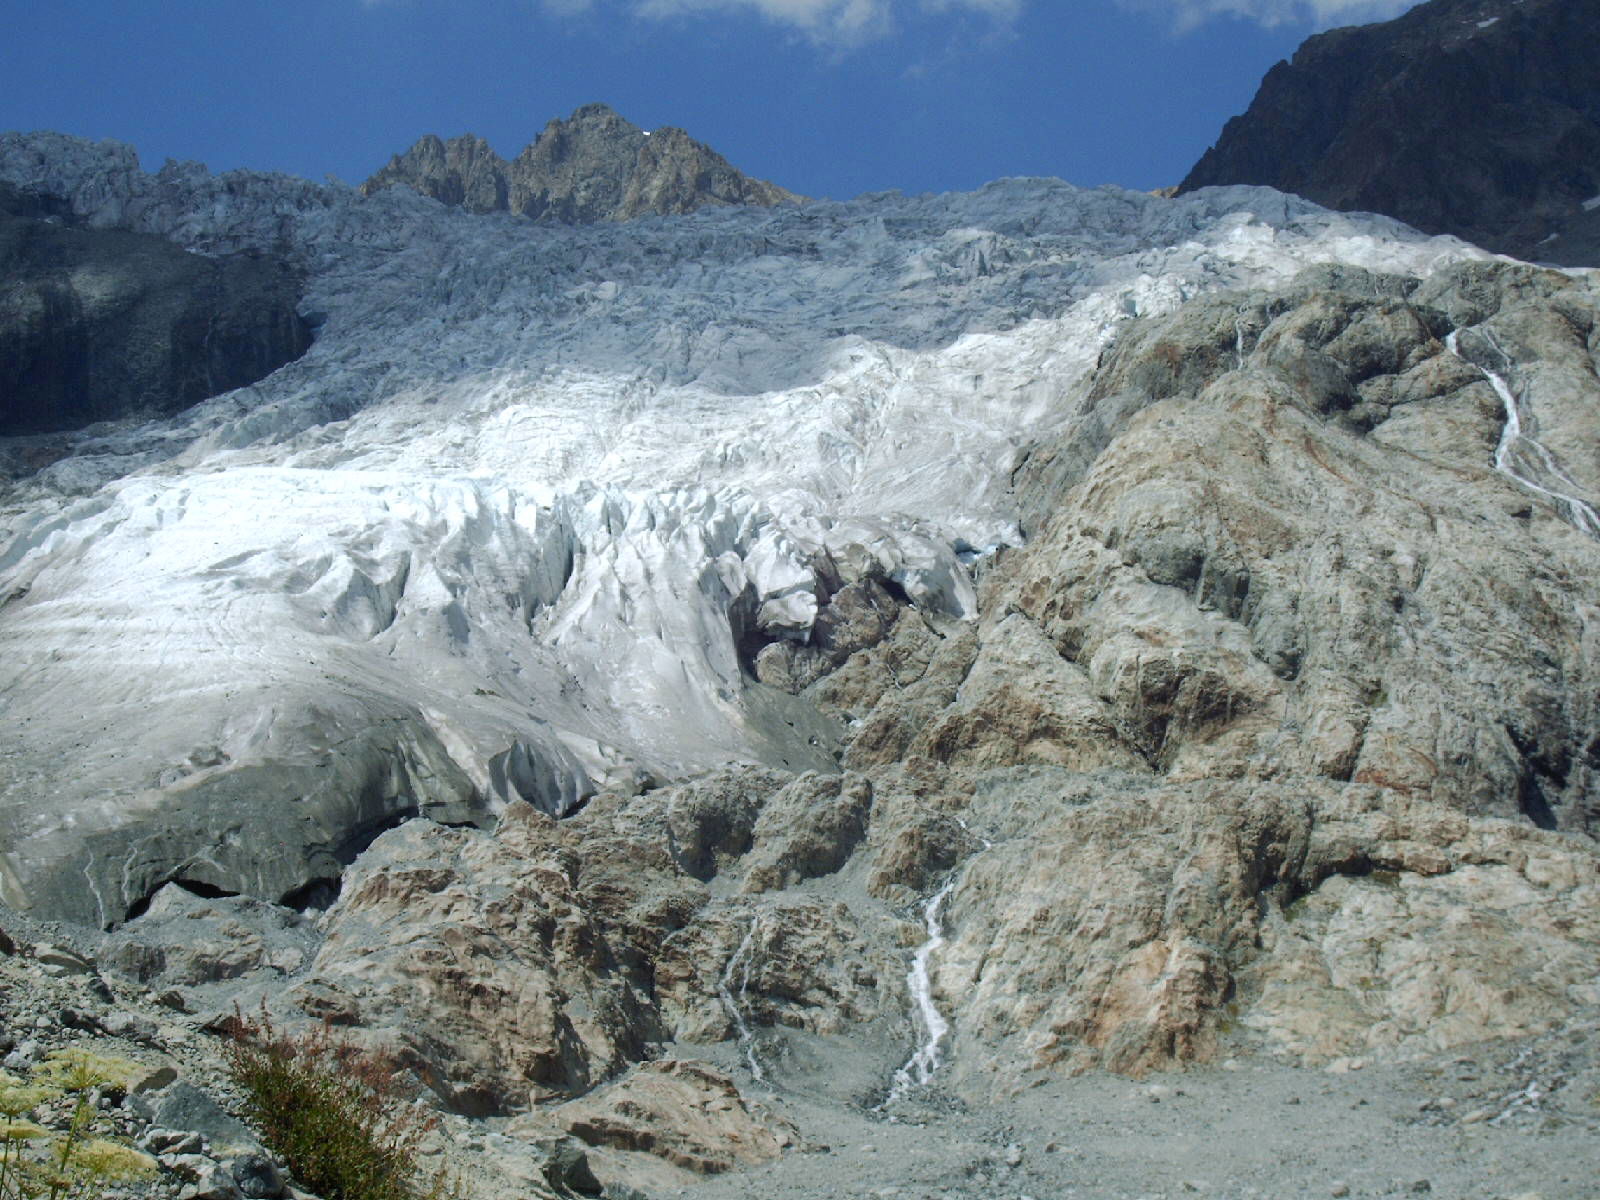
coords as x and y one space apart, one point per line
516 525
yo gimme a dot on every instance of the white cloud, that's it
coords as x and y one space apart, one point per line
1000 10
1321 14
848 23
838 22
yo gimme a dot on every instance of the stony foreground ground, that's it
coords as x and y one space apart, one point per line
1461 1126
1511 1119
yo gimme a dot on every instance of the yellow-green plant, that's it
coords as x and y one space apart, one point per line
40 1162
334 1111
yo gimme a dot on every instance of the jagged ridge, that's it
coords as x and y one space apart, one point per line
593 166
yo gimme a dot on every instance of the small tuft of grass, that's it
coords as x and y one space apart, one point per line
335 1112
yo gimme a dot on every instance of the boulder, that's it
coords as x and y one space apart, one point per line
685 1112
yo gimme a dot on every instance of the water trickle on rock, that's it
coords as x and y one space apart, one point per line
920 1068
738 965
1514 441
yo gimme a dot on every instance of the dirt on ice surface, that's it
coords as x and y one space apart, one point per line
1499 1121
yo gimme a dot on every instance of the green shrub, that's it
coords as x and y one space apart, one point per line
332 1110
38 1162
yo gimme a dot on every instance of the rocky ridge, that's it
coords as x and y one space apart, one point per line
593 166
1479 118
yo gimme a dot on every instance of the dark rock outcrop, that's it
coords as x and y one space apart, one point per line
1479 118
465 171
98 324
594 166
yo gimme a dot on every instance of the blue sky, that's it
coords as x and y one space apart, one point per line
827 97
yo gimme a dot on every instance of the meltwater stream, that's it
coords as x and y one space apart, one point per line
1513 441
920 1067
738 965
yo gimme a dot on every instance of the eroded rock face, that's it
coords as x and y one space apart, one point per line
540 961
1419 961
480 956
593 166
102 324
185 940
1136 923
1265 570
1471 117
1263 587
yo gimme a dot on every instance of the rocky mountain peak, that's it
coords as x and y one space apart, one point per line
595 165
1479 118
597 111
464 171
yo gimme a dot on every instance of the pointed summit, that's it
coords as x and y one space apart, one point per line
464 171
594 166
